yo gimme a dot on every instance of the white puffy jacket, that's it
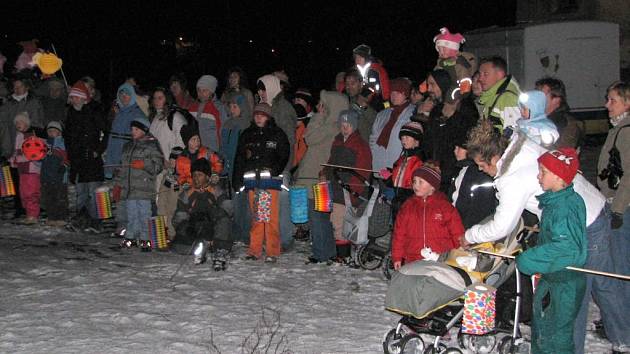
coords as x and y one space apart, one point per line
517 187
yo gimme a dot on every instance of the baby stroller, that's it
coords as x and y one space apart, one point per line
367 226
429 296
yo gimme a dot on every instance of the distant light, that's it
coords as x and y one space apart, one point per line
337 48
310 41
273 50
181 38
251 41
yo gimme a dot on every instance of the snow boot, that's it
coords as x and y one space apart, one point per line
199 251
145 246
128 243
219 260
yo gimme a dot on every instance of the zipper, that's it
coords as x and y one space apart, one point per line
424 223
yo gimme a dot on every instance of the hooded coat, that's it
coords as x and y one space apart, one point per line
120 131
538 127
282 111
321 132
231 130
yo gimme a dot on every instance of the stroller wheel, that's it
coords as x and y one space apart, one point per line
431 349
507 347
387 266
412 344
366 259
392 342
477 344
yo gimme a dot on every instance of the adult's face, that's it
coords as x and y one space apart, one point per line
353 86
553 102
55 92
176 88
233 79
346 129
615 104
19 88
489 168
359 60
159 99
397 98
489 75
433 88
263 96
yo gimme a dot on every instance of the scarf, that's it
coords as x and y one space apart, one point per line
383 138
615 120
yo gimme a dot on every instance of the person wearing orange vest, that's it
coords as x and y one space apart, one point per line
194 151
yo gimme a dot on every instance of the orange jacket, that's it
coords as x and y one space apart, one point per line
300 143
184 162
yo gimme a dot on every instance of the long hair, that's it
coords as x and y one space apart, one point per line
242 77
170 101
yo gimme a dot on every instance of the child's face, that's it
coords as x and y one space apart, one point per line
548 180
53 133
137 133
445 53
409 142
194 143
235 110
422 188
260 120
200 179
21 126
524 112
461 154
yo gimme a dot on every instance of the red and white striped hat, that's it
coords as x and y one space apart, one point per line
79 90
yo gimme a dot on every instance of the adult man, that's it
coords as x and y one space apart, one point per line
500 93
22 100
571 130
446 118
359 102
375 77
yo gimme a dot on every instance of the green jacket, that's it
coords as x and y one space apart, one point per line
500 103
562 239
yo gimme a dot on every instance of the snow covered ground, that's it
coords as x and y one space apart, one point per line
72 293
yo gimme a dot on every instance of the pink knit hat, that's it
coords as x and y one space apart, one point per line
448 39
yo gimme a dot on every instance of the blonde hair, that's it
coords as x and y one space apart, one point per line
621 88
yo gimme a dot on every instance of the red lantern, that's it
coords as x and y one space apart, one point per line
34 148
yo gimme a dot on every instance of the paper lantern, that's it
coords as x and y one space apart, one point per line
479 309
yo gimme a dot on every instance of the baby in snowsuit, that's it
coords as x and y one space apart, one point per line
561 242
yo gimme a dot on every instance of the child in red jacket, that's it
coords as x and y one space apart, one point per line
427 224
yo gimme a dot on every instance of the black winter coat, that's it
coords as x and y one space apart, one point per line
86 141
476 196
261 148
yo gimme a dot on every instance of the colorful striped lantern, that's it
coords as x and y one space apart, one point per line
103 203
7 188
158 233
322 192
298 197
262 206
479 309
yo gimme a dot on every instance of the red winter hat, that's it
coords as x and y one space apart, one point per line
401 84
430 175
79 89
448 39
563 162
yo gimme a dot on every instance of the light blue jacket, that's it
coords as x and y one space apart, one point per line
385 157
538 127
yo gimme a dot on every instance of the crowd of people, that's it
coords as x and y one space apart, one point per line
461 157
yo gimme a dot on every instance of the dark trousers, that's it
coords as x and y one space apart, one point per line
54 197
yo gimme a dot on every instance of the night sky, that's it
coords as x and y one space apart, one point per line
311 41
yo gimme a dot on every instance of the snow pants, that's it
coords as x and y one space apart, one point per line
30 193
267 231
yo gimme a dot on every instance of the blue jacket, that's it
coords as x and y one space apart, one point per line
538 127
53 166
121 128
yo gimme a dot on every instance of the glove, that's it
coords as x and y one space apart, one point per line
116 192
616 221
137 164
385 173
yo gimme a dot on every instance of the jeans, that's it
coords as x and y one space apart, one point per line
286 226
604 290
138 215
242 218
86 197
322 239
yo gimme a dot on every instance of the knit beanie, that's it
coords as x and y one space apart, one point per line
363 50
412 129
443 79
448 40
79 89
208 82
401 84
307 96
141 123
349 116
563 162
54 125
262 108
430 175
187 132
22 117
201 165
